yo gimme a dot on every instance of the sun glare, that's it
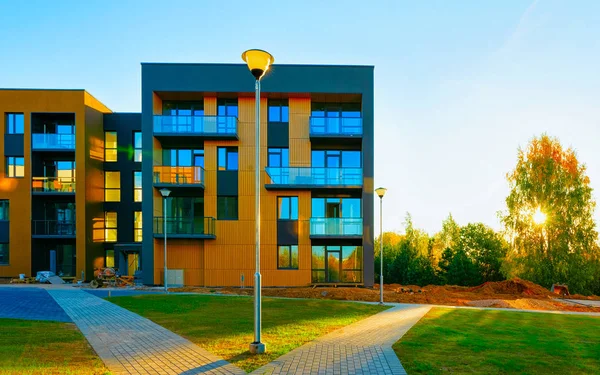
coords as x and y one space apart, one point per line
539 217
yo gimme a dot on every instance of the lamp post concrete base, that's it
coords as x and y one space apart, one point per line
257 348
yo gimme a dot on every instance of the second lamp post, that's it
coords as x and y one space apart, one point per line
258 62
381 192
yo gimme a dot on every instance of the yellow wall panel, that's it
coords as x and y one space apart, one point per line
187 255
156 104
210 105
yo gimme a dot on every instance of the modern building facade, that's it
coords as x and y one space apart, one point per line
196 138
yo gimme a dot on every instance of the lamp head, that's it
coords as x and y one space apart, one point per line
380 191
258 61
165 192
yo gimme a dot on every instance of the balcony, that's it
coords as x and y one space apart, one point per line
182 128
52 142
198 227
328 129
185 177
325 227
53 185
296 178
53 229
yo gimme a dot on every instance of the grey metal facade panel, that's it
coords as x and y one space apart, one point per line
278 135
287 232
227 183
14 145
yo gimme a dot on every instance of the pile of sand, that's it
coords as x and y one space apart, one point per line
513 287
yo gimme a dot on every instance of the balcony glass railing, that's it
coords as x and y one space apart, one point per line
178 175
198 226
53 184
47 141
313 176
53 228
339 227
336 126
196 125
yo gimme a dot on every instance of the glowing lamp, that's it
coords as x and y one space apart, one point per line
258 61
380 191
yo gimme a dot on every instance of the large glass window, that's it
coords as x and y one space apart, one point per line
227 158
337 264
112 186
279 111
137 146
227 208
137 226
278 157
183 158
15 166
15 123
110 227
336 158
137 186
227 107
110 146
287 208
287 257
4 254
4 209
336 207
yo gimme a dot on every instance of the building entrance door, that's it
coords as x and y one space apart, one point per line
133 263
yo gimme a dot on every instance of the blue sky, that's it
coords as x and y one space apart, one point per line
459 85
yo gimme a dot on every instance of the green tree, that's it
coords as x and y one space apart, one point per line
486 248
549 217
444 239
457 268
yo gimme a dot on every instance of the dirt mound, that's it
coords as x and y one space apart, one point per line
521 303
513 287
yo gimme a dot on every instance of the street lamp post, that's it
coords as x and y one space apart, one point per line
165 194
381 192
258 62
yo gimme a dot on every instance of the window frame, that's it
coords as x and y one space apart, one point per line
137 188
278 106
291 253
10 123
290 204
106 257
11 168
283 155
228 151
137 226
111 149
137 151
4 209
112 189
110 228
225 210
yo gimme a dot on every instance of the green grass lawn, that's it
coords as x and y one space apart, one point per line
501 342
224 325
39 347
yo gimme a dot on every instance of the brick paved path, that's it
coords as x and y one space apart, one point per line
131 344
364 347
29 303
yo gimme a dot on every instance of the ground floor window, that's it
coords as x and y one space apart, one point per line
109 259
287 257
336 264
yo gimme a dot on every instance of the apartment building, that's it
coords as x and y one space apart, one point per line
84 189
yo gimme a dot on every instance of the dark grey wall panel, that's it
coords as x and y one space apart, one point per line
4 231
227 183
278 134
14 145
287 232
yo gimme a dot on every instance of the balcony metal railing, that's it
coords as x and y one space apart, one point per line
48 141
53 227
53 184
178 175
338 227
196 125
336 126
198 226
314 176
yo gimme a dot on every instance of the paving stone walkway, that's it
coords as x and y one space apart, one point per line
364 347
131 344
30 303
